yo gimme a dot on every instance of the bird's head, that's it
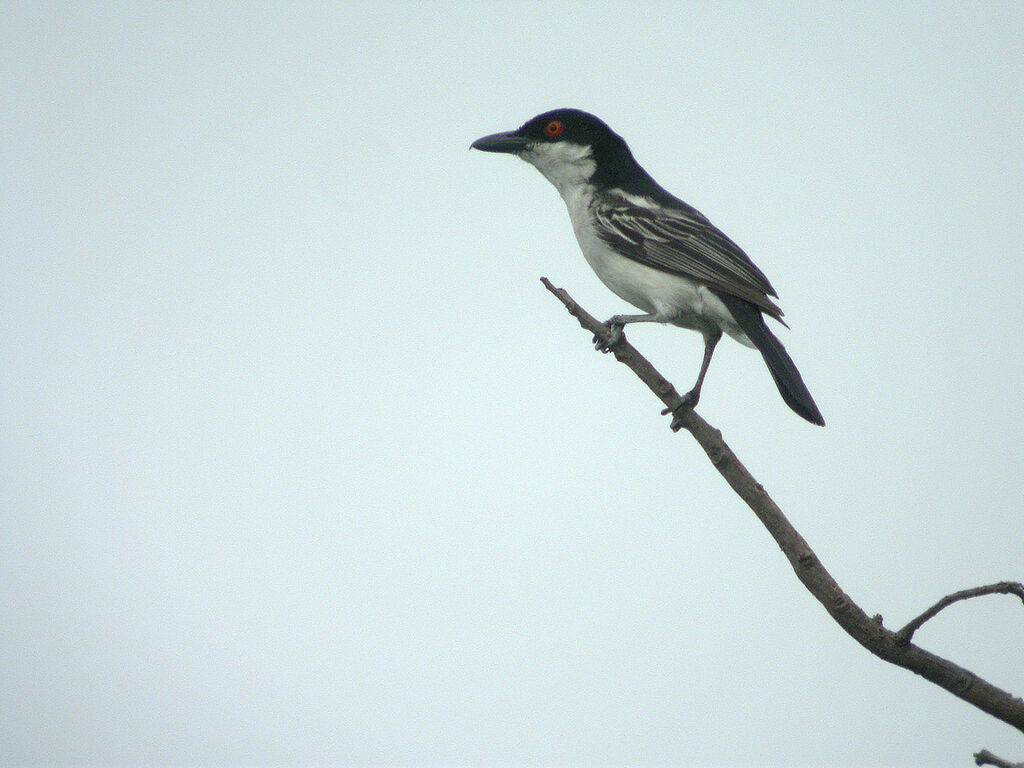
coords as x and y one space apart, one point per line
568 146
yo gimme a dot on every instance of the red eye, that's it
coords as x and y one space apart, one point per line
553 128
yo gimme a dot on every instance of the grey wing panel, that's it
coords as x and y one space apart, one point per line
688 245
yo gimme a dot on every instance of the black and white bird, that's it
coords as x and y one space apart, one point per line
652 249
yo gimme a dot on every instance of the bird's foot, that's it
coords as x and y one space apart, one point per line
615 338
687 403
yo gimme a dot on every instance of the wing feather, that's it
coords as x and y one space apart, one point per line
682 241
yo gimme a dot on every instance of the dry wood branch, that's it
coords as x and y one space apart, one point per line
987 758
1001 588
867 631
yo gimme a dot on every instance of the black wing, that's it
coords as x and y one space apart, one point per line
682 241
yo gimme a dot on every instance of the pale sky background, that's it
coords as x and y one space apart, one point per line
300 465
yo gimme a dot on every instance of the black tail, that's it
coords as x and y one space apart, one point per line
787 377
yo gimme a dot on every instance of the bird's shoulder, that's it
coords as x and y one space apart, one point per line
662 216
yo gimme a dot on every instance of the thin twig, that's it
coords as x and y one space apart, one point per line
1001 588
867 631
987 758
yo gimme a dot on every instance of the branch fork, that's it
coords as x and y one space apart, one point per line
893 647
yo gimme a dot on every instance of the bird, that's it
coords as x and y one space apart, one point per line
653 250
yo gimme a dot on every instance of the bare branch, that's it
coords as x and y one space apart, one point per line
1001 588
865 630
987 758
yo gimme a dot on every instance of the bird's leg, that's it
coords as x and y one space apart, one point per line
616 324
691 398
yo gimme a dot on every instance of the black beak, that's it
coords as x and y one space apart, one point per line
501 142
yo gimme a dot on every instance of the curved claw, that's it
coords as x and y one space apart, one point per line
616 337
687 403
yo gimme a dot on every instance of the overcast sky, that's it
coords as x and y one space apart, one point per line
300 465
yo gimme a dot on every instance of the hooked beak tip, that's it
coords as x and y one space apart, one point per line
508 143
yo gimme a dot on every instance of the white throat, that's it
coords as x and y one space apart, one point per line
568 166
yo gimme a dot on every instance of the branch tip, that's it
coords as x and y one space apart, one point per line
903 636
984 757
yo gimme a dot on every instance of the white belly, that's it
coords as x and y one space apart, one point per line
670 298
